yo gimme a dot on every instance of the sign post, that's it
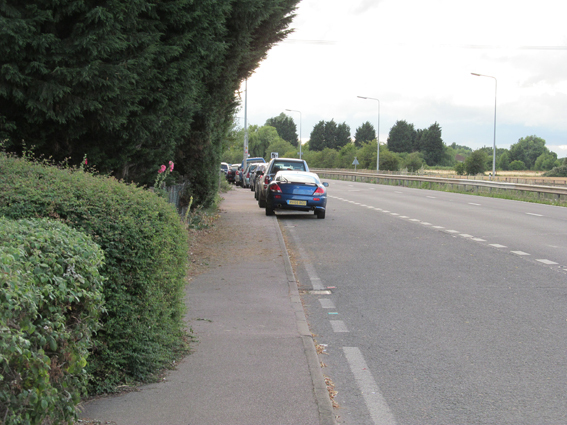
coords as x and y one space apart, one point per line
355 163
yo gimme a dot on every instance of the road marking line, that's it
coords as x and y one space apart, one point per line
326 303
472 203
519 252
413 219
394 214
464 235
535 215
425 223
495 245
548 262
438 227
338 326
403 216
431 197
309 268
452 231
384 211
375 402
479 240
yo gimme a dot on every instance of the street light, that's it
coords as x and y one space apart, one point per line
494 142
377 132
293 110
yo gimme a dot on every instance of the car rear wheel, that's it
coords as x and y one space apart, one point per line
261 204
320 213
269 211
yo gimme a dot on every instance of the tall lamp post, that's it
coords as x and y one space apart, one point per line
293 110
377 132
494 142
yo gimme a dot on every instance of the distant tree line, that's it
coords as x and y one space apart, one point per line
134 84
330 146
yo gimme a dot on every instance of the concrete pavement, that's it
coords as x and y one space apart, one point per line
255 361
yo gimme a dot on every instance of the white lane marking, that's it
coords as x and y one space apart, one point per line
431 197
338 326
384 211
464 235
548 262
394 214
363 205
425 223
452 231
519 252
326 303
397 191
495 245
472 203
309 268
403 216
438 227
535 215
413 219
377 407
479 240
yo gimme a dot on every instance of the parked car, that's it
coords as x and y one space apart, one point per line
249 160
248 172
231 174
297 191
224 167
258 173
275 165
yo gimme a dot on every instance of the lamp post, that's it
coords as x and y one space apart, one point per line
293 110
377 132
494 142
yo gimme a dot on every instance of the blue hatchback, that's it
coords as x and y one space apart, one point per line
298 191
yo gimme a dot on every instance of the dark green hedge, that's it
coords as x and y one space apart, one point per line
50 301
145 247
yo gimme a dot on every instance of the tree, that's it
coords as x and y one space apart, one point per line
431 144
389 161
366 155
546 161
259 140
280 146
476 162
517 165
132 84
364 133
326 134
346 156
317 141
401 137
285 127
527 150
413 162
504 161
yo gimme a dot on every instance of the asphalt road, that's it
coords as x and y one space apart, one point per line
436 308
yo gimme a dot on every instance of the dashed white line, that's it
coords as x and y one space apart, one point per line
452 231
476 205
519 252
377 407
478 240
548 262
495 245
326 303
464 235
338 326
535 215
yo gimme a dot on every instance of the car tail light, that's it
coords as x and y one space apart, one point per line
267 179
248 175
274 187
320 189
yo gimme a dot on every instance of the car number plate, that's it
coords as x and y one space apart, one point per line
293 202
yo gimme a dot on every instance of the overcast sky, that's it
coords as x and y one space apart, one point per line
416 57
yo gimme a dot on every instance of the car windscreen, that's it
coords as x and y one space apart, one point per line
297 166
297 178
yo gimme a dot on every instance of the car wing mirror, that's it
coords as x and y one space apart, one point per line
325 184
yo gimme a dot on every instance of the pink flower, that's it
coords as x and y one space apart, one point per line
170 166
86 162
162 169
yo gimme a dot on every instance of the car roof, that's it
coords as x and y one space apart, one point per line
290 174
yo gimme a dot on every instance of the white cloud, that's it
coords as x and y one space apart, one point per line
416 56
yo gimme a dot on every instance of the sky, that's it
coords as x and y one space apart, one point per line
416 57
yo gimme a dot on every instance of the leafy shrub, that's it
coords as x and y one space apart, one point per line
460 168
517 165
560 171
476 162
145 247
50 301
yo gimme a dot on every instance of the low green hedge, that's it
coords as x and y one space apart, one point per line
50 301
146 257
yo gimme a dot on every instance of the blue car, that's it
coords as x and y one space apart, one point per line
298 191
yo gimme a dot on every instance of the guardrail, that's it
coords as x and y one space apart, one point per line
556 193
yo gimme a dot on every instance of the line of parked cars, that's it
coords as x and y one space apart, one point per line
281 184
